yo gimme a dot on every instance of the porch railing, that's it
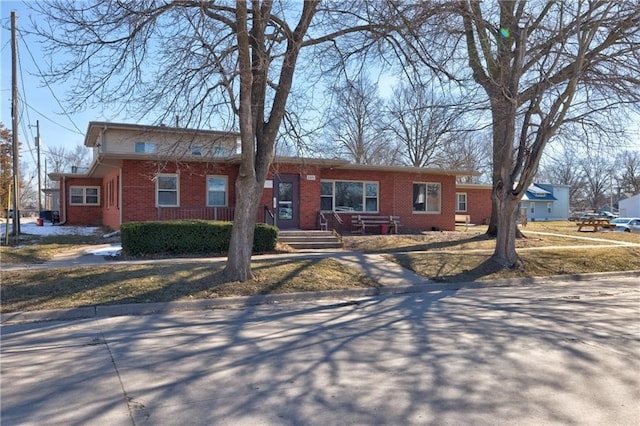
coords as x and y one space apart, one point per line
269 218
204 213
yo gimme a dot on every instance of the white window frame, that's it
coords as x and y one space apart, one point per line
84 195
177 190
426 211
226 190
466 201
364 184
549 207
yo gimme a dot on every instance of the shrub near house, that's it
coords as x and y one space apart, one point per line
189 237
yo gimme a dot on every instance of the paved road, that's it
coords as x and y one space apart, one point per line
548 353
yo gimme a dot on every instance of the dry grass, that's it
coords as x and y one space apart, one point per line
119 283
457 267
464 255
441 256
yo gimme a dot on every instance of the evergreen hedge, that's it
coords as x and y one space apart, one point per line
189 237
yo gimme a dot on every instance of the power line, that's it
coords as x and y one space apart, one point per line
41 75
53 121
25 127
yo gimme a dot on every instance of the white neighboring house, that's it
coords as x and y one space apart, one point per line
630 207
544 201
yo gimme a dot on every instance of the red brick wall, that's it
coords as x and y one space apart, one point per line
478 204
396 193
137 200
82 215
139 188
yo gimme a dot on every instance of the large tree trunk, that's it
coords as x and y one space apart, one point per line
505 250
504 200
238 267
492 230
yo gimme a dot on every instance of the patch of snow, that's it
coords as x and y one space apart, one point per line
112 250
29 226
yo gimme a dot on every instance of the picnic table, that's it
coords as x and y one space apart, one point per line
595 223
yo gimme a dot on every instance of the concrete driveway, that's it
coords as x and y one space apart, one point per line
548 353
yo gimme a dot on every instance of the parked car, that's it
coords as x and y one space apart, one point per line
627 224
584 216
575 216
608 214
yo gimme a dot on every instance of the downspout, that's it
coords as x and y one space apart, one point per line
120 194
63 201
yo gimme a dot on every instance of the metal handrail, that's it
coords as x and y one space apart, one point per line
340 223
268 212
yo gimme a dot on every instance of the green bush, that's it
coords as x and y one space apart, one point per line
188 237
264 238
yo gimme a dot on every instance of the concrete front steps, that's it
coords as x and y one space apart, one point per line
309 239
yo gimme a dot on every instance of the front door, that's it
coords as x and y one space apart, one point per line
287 201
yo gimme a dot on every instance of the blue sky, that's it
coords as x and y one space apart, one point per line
37 101
45 103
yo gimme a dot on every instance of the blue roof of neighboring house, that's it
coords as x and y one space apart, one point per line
537 193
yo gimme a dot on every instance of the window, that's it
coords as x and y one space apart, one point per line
196 150
84 195
167 190
461 202
285 200
219 151
549 207
109 197
216 191
533 209
145 147
349 196
426 197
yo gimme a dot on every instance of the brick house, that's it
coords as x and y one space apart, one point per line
474 200
142 173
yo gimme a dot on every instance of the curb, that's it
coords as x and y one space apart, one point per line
105 311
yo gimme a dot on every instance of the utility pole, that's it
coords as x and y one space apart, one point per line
14 131
39 174
47 203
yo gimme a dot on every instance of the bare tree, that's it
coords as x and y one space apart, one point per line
541 65
562 165
598 175
6 165
468 151
78 157
628 165
57 160
355 130
28 187
62 160
215 64
424 121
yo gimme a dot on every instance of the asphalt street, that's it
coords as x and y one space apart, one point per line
553 353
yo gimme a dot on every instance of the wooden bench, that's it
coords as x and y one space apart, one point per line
360 223
594 223
463 219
